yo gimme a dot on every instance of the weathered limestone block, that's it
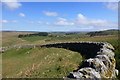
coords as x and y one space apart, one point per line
107 52
85 73
108 45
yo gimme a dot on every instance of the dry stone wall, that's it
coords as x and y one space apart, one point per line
99 63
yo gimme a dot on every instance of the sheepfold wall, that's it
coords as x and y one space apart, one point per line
99 63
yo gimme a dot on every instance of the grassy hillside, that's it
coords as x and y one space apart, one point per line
46 62
102 33
39 62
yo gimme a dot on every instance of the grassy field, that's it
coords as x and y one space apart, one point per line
11 38
46 62
39 62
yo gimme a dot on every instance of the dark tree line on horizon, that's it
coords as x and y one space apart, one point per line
35 34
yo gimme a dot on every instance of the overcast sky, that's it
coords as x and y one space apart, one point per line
59 16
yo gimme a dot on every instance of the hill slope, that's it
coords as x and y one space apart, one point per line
101 33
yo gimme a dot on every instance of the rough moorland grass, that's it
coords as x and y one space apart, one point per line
39 62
